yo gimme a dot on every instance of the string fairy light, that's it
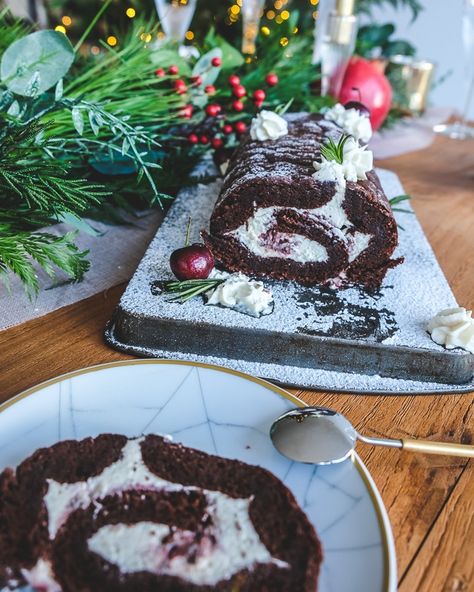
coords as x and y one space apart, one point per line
131 12
111 40
66 21
60 28
189 35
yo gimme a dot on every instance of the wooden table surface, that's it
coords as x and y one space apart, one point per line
430 499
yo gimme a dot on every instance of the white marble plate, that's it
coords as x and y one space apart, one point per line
221 412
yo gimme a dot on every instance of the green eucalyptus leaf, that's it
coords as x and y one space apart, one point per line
93 123
77 120
58 91
35 63
165 57
204 68
14 109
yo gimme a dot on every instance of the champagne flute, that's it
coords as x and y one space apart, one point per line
461 130
175 17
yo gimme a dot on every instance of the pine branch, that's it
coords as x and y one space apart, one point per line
18 251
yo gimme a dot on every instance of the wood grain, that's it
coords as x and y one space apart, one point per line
430 500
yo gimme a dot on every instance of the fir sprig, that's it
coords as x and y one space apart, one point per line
185 290
333 151
18 250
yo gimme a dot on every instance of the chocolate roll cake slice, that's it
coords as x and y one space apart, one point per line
276 218
114 514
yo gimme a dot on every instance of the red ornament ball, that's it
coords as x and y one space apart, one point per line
193 139
239 91
213 110
240 127
216 62
365 82
210 89
160 72
238 106
216 143
271 79
227 129
204 139
234 80
173 70
194 262
259 95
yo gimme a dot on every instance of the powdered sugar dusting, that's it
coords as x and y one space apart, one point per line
396 315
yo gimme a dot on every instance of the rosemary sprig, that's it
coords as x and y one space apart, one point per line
185 290
398 199
333 151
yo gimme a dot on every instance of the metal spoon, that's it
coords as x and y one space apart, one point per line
322 436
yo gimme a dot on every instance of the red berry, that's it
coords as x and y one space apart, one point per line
237 106
187 111
212 110
180 86
234 80
271 79
193 139
239 91
216 143
227 129
160 72
258 104
240 127
259 95
173 70
204 139
194 262
196 80
210 89
216 62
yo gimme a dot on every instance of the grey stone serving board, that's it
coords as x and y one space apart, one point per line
321 338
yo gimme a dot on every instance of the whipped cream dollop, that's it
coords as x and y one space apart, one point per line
268 125
241 294
357 162
351 121
453 327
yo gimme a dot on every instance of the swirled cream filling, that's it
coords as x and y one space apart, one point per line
229 544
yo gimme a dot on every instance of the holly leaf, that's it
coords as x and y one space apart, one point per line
43 57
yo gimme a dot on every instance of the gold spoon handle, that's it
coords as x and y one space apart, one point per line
430 447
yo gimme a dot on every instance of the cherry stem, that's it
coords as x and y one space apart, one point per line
356 88
188 231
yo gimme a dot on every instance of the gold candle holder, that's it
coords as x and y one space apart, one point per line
411 82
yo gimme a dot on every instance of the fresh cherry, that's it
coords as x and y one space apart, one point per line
194 262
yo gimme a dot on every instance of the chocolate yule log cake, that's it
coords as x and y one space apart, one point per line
116 514
290 209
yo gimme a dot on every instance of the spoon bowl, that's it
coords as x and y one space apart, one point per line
315 435
322 436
